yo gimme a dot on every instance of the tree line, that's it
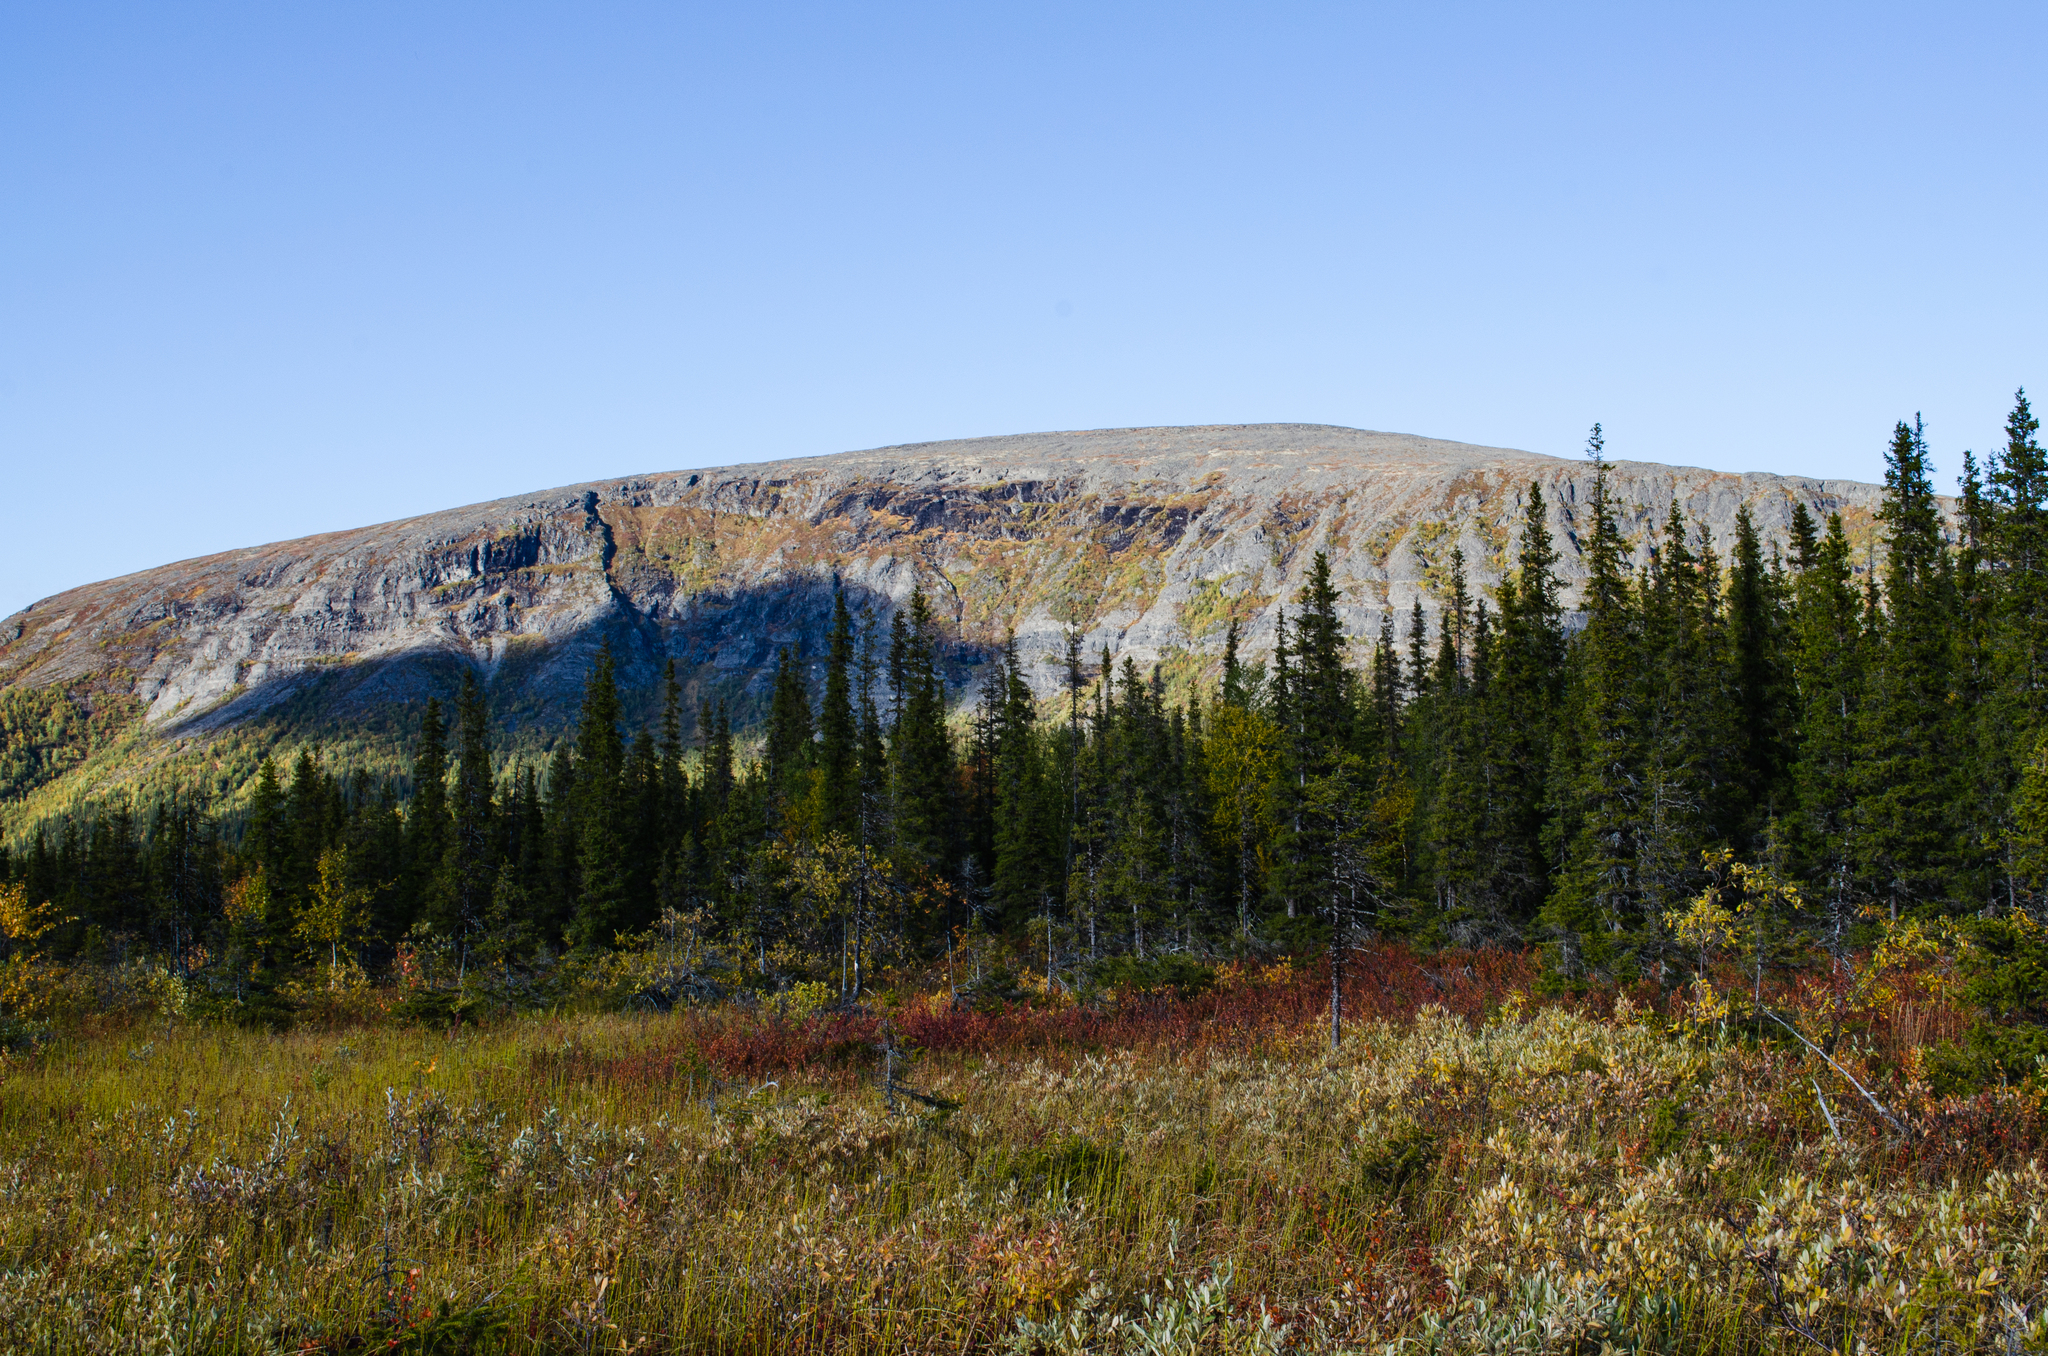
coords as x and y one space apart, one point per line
1869 739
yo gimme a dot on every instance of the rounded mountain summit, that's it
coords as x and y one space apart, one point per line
1148 541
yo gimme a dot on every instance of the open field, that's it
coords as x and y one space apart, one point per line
1470 1171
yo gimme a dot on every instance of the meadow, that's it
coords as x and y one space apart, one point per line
1471 1169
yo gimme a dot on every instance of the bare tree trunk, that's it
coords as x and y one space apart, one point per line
1336 989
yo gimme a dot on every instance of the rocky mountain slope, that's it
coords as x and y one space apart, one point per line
1148 540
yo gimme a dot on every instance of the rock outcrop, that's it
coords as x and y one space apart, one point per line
1148 540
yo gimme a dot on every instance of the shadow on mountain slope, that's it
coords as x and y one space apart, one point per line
63 752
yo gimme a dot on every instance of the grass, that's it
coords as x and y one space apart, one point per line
1470 1171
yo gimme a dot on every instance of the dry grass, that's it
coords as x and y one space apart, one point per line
1465 1175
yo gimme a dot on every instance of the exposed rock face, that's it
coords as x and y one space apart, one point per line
1147 539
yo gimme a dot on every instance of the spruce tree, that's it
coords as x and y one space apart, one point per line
602 812
839 742
919 746
675 782
1321 789
1688 733
427 827
1907 775
1521 702
1025 866
2014 598
461 899
641 797
1757 630
1828 658
564 853
264 842
2018 551
789 728
1235 692
1594 913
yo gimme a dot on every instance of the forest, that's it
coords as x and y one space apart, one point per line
1731 748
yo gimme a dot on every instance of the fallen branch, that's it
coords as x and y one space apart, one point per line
1879 1107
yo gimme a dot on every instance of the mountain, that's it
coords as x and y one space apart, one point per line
1147 540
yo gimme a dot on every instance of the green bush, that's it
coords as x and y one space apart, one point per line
1403 1159
442 1007
1182 976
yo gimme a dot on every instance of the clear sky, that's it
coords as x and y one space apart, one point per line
274 269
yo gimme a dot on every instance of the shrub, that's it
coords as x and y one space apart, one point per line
1180 975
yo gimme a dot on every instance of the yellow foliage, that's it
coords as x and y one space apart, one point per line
805 999
22 922
31 988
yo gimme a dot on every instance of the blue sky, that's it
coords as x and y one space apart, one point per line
275 269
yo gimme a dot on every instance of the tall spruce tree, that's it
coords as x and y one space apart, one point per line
1688 731
675 782
461 899
1026 868
603 816
1828 660
2018 561
789 729
920 748
427 825
1522 699
1593 917
1907 774
838 728
1757 628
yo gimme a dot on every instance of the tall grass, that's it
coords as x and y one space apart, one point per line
1469 1171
